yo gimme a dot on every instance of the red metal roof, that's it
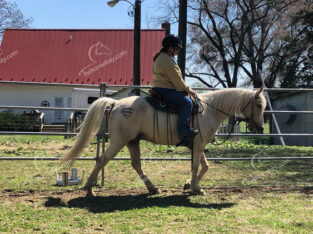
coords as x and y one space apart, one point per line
76 56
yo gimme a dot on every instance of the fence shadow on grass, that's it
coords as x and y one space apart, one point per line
128 202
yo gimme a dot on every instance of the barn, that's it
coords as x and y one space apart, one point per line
295 123
41 67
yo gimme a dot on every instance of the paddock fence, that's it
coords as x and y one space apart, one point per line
71 134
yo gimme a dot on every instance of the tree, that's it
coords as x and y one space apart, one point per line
11 17
297 71
232 39
242 38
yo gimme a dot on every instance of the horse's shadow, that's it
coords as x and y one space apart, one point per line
128 202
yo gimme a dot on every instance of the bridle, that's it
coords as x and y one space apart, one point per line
237 119
250 120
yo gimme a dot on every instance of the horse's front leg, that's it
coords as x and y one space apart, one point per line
204 169
195 188
204 166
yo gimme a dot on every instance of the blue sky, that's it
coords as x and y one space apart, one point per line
85 14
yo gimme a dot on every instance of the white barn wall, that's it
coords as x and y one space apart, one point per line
34 95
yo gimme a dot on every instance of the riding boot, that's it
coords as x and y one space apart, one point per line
187 138
191 133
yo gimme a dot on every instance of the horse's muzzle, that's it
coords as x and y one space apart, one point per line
253 127
259 129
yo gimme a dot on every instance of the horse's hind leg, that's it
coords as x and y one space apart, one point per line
109 154
134 150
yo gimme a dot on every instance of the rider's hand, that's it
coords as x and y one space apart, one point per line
192 92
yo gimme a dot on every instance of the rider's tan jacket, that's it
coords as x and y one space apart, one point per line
167 74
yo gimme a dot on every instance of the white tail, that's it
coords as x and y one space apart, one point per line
89 128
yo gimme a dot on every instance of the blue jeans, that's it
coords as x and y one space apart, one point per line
179 98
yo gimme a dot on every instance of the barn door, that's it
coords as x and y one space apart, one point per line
62 102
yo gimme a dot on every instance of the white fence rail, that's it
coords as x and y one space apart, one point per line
85 110
151 159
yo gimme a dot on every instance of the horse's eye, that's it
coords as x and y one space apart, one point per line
259 105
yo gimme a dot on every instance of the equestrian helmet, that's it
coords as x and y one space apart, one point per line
171 41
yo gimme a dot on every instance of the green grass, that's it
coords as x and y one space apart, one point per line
250 196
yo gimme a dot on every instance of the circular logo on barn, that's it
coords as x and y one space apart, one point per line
45 104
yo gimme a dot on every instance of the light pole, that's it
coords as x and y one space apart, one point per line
182 31
137 22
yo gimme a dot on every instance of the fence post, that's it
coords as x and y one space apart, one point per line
271 108
103 88
101 136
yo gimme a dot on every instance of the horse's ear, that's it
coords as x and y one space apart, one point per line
259 91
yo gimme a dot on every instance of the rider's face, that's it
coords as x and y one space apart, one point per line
174 50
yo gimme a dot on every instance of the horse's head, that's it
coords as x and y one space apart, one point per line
253 112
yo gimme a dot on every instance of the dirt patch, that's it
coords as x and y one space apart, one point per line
112 200
60 198
35 146
30 196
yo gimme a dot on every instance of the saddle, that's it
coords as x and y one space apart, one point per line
157 101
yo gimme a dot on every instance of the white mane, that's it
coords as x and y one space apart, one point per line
230 101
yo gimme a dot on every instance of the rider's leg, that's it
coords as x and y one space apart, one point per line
179 98
183 124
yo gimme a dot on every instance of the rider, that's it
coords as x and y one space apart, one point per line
168 82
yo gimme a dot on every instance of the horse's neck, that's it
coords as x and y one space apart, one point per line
229 101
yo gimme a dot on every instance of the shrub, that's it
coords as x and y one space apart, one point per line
13 122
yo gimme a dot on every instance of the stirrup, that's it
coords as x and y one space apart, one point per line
186 142
191 134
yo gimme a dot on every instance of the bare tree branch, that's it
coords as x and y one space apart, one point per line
11 17
233 39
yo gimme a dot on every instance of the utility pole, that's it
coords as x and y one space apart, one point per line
182 32
137 28
136 62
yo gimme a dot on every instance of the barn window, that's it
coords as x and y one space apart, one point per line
92 99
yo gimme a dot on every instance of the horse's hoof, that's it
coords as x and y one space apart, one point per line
155 191
187 186
201 192
90 193
198 192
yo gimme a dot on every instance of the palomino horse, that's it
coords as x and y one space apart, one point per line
132 119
